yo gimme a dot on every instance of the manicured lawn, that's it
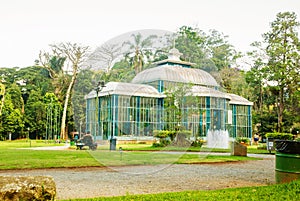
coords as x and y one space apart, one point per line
148 147
17 155
290 191
26 158
152 158
27 144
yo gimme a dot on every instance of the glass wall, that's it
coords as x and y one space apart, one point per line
124 116
242 123
197 114
92 117
134 116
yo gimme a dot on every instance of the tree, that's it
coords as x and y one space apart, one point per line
35 114
141 51
2 93
105 56
283 51
222 53
75 54
16 97
53 110
10 119
233 81
191 43
208 51
34 78
84 84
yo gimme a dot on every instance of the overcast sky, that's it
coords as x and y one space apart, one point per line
28 26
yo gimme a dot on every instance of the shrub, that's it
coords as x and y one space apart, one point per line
243 140
164 134
197 143
166 137
156 144
280 136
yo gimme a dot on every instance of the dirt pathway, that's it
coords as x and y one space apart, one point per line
114 181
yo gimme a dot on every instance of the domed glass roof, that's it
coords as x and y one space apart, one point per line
127 89
175 70
175 73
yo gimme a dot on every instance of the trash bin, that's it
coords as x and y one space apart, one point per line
112 144
287 163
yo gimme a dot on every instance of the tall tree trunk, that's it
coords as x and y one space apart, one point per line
280 109
2 92
64 115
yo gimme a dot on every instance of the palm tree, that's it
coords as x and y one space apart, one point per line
140 49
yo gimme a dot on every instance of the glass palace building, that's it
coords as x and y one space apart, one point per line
134 110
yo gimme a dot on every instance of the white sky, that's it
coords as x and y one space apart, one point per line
28 26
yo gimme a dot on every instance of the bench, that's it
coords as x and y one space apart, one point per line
88 141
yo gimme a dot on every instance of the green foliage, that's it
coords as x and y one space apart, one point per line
243 140
164 134
168 137
139 51
274 76
162 143
283 60
35 114
10 119
165 137
176 99
197 143
15 96
209 51
280 136
82 87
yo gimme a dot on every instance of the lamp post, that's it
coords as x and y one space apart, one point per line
29 137
98 88
80 123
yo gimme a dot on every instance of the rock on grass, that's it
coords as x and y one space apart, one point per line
25 188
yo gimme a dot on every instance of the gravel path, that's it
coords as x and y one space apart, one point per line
114 181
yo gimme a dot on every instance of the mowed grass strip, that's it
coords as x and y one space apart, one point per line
289 191
30 159
25 143
153 158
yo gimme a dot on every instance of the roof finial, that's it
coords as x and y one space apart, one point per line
174 43
174 53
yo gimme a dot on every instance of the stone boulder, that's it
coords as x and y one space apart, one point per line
238 149
27 188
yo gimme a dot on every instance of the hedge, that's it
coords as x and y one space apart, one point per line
280 136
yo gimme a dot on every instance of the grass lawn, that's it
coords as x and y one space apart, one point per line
25 158
148 147
12 156
114 158
27 144
289 191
